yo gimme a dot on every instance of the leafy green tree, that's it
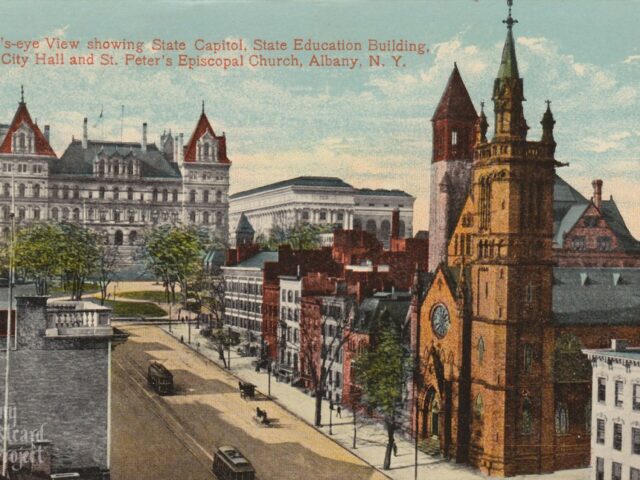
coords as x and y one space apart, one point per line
79 256
383 372
106 263
38 251
300 236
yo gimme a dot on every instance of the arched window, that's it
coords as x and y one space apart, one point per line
5 212
192 217
36 190
218 196
54 213
174 196
165 195
385 229
205 218
76 192
101 168
22 143
371 226
290 296
117 240
76 214
65 214
205 196
527 417
562 418
65 192
129 193
22 190
219 219
6 190
133 236
101 193
155 194
527 357
21 213
205 150
36 213
480 350
192 196
478 407
357 224
116 193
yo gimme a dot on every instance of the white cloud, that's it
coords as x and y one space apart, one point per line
632 59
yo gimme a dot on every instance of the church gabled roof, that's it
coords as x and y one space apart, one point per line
455 102
22 116
203 126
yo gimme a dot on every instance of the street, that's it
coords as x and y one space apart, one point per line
174 437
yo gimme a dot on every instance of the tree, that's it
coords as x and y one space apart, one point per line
38 251
383 372
79 256
300 236
320 351
105 267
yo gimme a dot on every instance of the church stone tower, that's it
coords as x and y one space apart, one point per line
454 126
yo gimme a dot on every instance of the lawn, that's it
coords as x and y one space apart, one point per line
151 296
135 309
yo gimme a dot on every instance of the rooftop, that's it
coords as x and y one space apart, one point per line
257 261
305 181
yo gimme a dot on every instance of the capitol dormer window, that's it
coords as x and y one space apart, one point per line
23 141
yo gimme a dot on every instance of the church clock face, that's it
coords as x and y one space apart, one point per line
440 320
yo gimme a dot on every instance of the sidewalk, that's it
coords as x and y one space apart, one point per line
370 436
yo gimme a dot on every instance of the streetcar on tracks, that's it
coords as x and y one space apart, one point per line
160 378
230 464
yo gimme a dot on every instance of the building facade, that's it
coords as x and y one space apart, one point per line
115 188
505 385
615 418
60 365
289 327
323 201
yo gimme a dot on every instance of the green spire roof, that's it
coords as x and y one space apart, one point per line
509 62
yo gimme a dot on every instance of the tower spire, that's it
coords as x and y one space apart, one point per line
21 93
203 107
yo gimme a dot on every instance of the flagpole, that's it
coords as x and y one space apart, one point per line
5 436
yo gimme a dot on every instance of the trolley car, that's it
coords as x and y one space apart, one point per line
230 464
160 379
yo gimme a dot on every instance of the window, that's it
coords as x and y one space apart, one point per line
22 190
619 388
454 137
65 192
36 213
600 429
174 195
205 196
130 193
323 216
192 217
76 192
36 190
527 357
562 418
205 218
54 213
616 471
101 193
602 389
599 468
116 193
617 436
636 397
604 244
165 195
480 350
192 196
635 474
305 215
527 426
635 440
578 243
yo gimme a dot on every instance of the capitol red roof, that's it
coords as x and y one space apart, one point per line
42 146
202 128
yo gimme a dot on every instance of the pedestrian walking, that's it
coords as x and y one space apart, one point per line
339 411
181 338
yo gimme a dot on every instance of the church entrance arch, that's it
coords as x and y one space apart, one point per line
430 425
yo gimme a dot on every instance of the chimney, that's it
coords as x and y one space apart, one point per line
181 148
618 345
144 137
597 192
175 149
395 224
46 132
85 134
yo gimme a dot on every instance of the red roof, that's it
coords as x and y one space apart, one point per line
455 102
203 127
42 146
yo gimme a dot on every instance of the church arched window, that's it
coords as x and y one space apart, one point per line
480 350
527 357
527 417
485 203
562 418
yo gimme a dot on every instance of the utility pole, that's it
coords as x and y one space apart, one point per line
5 427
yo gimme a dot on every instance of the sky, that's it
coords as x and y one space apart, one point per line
369 126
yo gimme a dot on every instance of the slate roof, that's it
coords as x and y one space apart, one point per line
21 116
244 226
371 310
79 161
305 181
455 102
382 192
567 222
591 296
612 215
258 260
509 61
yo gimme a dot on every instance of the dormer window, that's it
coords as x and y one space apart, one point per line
207 148
23 141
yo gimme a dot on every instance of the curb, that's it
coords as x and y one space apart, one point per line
284 407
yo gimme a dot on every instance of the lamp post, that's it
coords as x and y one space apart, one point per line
330 417
354 426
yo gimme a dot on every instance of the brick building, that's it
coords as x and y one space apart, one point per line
504 384
60 384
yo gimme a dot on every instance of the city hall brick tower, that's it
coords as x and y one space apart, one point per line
454 123
486 336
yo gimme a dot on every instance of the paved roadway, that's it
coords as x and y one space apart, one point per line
173 437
